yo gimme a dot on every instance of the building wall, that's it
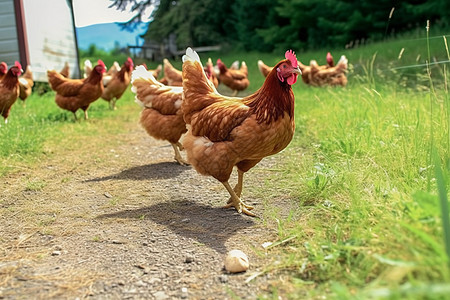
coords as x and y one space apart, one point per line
49 32
9 47
51 37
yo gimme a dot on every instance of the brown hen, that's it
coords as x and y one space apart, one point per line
9 89
224 132
236 80
116 86
161 116
74 94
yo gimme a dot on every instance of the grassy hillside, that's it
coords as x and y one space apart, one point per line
360 177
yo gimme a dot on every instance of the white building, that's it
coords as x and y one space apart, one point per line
39 33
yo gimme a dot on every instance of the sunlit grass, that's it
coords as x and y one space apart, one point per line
366 221
39 124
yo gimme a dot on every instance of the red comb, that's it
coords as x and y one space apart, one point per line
292 58
130 62
17 64
100 62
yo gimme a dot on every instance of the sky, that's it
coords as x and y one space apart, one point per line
90 12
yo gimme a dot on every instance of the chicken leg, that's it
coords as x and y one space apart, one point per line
238 187
112 104
240 206
177 148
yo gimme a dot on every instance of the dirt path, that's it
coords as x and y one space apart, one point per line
125 222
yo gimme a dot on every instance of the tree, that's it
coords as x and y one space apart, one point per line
249 18
268 25
137 6
195 23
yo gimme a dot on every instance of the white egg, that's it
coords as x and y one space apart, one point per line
236 261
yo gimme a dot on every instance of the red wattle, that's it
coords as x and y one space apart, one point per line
292 79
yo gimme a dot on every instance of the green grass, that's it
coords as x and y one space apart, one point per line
366 219
39 122
364 187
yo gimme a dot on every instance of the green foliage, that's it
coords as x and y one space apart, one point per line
265 25
93 51
108 57
191 20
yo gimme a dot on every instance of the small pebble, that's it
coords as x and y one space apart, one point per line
184 293
189 259
160 295
154 280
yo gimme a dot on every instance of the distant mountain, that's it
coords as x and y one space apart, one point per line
105 35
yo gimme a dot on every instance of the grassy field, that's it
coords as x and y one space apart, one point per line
363 173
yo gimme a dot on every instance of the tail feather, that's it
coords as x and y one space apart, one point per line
196 86
146 87
88 63
191 55
263 68
235 65
343 62
244 68
194 76
261 65
87 68
55 79
141 73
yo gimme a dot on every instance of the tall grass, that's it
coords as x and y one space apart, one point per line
366 220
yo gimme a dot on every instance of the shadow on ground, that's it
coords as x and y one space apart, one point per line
211 226
163 170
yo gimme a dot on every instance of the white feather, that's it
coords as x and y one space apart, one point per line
106 79
178 103
88 63
141 104
23 81
343 60
191 55
115 66
140 72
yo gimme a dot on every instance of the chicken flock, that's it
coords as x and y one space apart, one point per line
184 108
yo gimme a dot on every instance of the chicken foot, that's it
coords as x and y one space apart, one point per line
177 147
236 202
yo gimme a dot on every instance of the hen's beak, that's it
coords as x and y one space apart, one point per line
297 71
